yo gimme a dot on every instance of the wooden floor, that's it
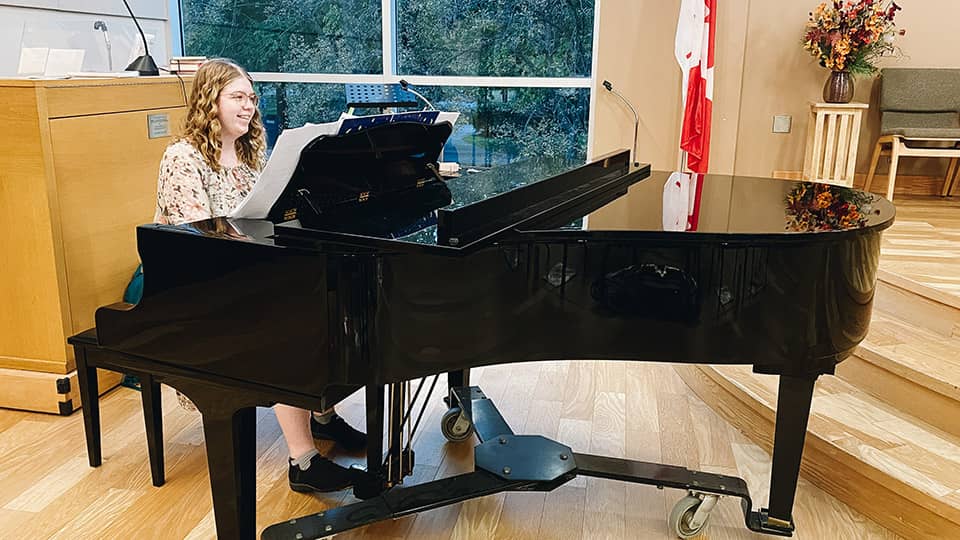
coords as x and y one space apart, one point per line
633 410
924 245
641 411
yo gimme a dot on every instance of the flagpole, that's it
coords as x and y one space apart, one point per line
681 153
694 50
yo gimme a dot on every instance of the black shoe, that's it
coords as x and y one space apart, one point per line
322 475
337 429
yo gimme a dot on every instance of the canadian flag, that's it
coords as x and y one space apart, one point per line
696 32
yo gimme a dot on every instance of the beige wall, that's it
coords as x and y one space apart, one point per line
634 40
761 71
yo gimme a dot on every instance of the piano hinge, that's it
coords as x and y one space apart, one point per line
364 196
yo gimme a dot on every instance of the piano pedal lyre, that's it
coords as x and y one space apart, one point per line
400 459
690 515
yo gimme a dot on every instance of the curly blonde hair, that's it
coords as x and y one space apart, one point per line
201 128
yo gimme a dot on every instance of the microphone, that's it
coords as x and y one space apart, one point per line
102 26
636 119
406 86
144 64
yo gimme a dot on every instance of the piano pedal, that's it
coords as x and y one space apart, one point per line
366 485
690 515
407 461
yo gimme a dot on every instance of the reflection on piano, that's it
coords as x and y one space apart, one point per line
440 277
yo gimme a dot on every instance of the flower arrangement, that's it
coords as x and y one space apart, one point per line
824 207
853 35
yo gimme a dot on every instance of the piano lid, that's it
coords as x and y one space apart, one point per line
479 207
754 207
738 208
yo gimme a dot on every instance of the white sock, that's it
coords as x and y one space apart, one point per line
324 417
304 461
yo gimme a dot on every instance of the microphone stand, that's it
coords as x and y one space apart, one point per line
143 64
406 86
636 119
102 26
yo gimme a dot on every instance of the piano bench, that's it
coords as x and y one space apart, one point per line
91 356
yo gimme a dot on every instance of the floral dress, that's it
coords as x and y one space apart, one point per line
190 190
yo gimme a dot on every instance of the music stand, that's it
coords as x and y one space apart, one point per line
380 96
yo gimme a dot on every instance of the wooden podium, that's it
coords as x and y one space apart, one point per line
78 173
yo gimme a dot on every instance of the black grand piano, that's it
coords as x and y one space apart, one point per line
373 271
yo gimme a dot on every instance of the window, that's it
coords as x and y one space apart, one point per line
497 38
496 125
518 71
286 36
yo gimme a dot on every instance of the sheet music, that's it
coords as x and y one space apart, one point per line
286 154
33 60
62 61
279 169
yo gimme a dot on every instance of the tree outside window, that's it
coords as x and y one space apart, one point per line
434 38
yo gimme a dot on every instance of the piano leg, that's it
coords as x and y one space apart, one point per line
153 420
371 483
793 411
231 459
90 403
456 379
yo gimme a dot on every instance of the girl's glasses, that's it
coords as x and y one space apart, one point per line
240 98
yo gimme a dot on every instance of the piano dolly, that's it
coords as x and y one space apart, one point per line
504 461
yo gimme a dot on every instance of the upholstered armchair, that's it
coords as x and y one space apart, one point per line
919 117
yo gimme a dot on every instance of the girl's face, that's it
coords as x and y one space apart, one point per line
237 103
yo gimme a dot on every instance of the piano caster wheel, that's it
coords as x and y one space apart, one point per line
690 515
455 426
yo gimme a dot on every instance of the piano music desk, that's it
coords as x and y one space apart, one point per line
79 173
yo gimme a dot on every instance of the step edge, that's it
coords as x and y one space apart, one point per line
891 362
926 500
919 289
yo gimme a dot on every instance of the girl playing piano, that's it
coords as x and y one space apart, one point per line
204 174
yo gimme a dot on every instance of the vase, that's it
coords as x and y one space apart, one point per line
839 87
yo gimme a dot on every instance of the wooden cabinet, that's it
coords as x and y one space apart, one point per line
78 172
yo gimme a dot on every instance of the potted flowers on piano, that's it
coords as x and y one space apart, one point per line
849 38
824 207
